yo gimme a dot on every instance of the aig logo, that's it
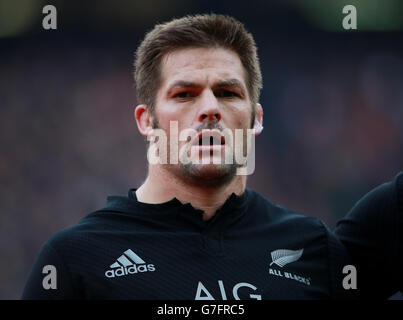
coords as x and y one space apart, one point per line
203 294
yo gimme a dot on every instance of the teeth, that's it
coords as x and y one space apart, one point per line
209 140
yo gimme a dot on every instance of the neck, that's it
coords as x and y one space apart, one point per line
162 186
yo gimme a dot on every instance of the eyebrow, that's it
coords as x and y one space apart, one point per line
230 83
220 84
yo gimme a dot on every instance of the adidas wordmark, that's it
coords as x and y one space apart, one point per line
128 263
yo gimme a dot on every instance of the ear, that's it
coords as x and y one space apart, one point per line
258 125
143 120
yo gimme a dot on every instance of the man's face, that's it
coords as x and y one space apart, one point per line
203 89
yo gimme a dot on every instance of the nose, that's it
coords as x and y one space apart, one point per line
209 108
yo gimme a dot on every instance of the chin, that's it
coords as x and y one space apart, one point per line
209 175
213 170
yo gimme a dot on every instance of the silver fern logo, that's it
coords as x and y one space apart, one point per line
281 257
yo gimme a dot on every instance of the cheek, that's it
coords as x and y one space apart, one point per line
166 117
242 118
174 123
169 113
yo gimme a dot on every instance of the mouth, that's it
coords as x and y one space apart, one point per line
209 139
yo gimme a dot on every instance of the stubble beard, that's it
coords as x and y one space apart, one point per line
213 176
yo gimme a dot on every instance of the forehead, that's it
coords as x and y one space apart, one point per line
201 65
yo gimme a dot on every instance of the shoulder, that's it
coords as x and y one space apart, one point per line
371 231
298 226
290 229
286 222
376 212
279 214
385 195
374 220
92 230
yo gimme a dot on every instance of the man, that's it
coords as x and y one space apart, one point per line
193 230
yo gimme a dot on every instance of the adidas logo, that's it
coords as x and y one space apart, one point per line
128 263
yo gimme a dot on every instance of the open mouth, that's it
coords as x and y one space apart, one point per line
210 139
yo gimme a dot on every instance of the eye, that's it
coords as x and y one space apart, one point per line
226 94
184 95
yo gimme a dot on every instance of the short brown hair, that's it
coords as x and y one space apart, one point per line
205 31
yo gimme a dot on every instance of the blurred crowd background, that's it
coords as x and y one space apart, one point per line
332 100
